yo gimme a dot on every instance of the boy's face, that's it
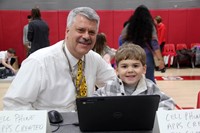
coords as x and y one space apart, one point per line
130 71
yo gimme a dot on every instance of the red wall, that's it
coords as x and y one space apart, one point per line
182 26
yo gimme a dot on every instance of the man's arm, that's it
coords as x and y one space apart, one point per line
25 39
30 32
24 89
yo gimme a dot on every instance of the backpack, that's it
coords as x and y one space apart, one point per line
3 74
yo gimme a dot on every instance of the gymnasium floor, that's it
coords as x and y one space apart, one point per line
181 84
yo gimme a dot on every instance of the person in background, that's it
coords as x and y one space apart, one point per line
141 31
122 35
26 42
102 48
131 67
47 79
38 31
161 31
7 60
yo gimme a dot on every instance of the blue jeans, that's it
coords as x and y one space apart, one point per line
150 67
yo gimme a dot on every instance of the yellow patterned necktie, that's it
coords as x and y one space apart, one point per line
80 81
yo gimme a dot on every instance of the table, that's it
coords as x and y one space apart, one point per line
72 117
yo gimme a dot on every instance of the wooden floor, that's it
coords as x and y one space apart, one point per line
184 92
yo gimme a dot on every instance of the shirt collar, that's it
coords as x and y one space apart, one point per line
72 59
141 87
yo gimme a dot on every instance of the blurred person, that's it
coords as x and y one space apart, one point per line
7 60
26 42
122 35
47 79
102 48
161 32
38 31
141 30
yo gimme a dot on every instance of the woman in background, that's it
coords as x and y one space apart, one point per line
102 48
141 31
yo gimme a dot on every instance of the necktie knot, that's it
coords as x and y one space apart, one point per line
80 63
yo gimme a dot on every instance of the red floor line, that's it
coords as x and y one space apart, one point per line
177 78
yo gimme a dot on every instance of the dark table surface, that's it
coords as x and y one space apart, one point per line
69 125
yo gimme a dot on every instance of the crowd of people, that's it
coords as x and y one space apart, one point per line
47 78
35 37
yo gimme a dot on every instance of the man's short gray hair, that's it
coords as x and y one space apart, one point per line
85 11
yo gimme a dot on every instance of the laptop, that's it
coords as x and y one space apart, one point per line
117 113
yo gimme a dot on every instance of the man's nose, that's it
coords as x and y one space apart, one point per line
86 35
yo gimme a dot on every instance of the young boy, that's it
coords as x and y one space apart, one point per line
131 69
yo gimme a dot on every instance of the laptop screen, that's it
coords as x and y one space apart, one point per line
117 113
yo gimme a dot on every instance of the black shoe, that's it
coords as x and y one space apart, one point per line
163 70
157 68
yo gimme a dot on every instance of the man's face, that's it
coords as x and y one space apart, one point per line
81 36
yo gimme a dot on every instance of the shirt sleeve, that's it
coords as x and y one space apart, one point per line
105 73
154 34
155 45
166 102
30 32
25 87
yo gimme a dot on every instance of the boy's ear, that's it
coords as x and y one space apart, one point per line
144 69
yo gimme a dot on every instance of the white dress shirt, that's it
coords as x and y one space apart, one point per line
3 55
44 82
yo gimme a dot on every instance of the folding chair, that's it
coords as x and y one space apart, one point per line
180 46
169 52
194 44
198 100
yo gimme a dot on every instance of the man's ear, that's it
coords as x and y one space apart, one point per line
66 32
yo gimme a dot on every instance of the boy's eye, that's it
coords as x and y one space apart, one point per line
136 65
124 66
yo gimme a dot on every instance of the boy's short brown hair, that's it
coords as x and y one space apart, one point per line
158 19
130 51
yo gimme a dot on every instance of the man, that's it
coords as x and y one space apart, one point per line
6 61
38 31
26 42
47 78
